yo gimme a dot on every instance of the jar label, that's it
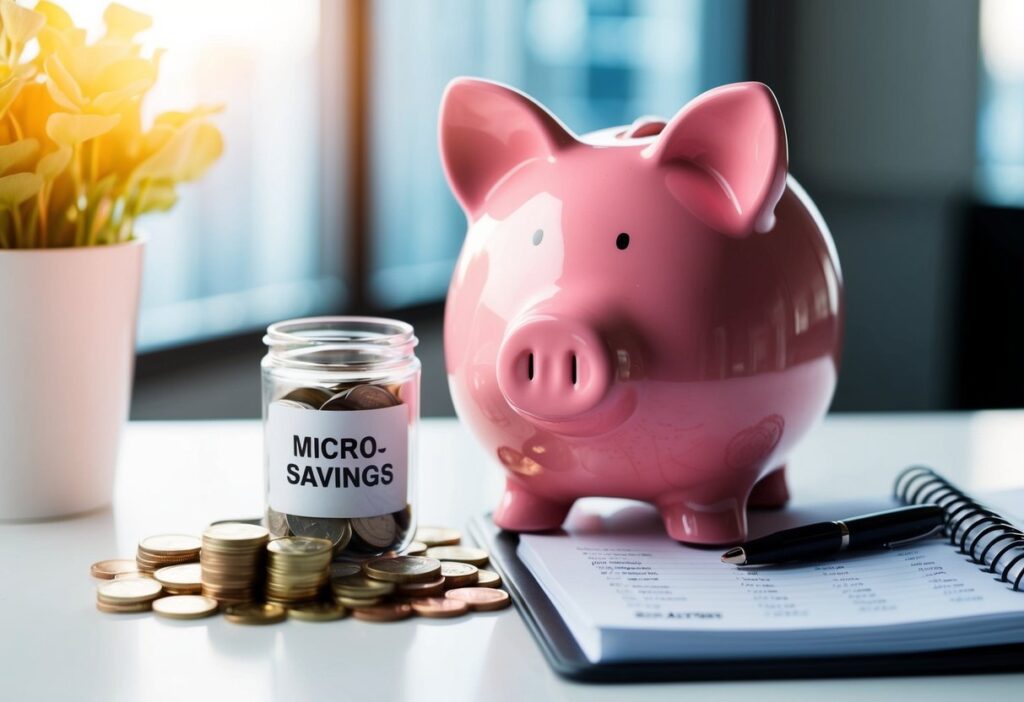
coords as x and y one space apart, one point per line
337 464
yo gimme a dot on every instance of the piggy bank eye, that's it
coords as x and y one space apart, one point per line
622 241
538 236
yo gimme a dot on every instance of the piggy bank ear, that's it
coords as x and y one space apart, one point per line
725 158
486 131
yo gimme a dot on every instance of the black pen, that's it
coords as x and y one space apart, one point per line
825 539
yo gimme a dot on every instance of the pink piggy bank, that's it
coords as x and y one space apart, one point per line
650 312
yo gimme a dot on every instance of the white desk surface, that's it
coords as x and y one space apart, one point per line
178 476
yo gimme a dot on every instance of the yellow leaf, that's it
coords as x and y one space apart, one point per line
179 119
8 93
18 187
68 130
158 197
185 156
53 164
62 86
118 75
59 41
109 102
125 23
20 23
14 153
55 15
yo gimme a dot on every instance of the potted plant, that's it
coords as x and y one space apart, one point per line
77 170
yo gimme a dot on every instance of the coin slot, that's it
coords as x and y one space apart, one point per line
573 369
529 367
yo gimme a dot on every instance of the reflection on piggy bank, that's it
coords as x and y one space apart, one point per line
651 312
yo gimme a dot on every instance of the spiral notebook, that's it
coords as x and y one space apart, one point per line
627 595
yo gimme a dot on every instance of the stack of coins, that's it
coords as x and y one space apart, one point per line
128 595
357 537
231 572
232 562
297 569
165 550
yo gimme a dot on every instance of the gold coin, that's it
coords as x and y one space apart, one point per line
438 607
361 586
300 546
416 548
317 612
487 578
128 591
169 544
235 534
357 602
390 612
462 554
124 609
432 589
403 569
188 575
185 606
111 568
438 536
482 599
377 531
132 575
255 613
458 574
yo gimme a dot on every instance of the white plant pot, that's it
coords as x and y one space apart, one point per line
67 350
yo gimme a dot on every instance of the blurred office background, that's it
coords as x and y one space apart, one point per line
905 123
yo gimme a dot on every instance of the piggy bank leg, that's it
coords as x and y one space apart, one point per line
771 491
520 510
713 514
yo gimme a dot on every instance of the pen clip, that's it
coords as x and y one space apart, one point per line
894 544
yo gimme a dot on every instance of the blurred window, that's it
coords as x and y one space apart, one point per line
1001 116
595 63
243 247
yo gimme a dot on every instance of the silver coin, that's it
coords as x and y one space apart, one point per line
334 530
277 523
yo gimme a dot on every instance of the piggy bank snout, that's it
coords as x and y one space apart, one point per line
553 368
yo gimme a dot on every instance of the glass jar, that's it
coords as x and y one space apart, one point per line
340 414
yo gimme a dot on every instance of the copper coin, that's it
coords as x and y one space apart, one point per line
438 607
309 397
487 578
434 588
371 397
391 612
109 569
378 531
416 548
458 574
482 599
338 403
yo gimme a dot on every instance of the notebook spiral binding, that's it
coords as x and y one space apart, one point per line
969 525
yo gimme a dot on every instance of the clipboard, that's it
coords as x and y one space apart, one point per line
568 660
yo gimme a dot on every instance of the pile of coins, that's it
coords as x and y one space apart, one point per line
258 581
351 538
297 569
232 561
165 550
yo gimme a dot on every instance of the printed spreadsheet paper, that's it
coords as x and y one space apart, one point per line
628 592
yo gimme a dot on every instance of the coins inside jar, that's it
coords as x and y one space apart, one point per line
355 537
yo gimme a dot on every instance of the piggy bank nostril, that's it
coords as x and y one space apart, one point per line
529 367
572 370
